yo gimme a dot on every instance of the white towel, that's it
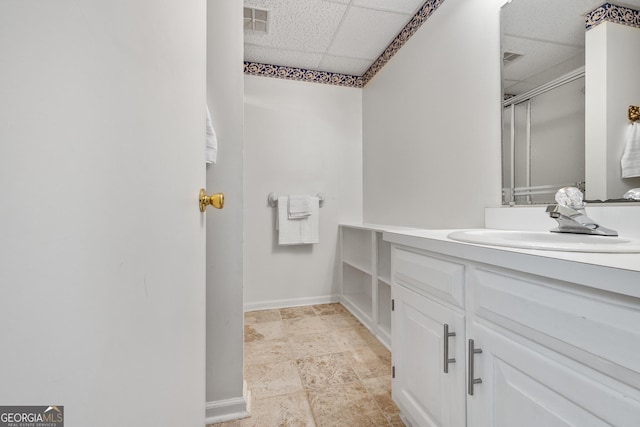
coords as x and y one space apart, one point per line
212 141
299 207
631 158
299 231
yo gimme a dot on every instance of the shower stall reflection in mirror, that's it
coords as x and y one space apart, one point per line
543 141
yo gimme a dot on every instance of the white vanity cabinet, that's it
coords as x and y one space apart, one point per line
428 339
532 388
422 388
553 353
548 352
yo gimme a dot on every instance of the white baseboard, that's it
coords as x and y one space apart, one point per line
235 408
405 420
294 302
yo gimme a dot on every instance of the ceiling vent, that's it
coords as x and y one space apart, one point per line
508 57
256 19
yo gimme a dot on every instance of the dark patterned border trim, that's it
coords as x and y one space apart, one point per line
409 30
292 73
612 13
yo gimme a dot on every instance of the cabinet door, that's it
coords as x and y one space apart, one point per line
423 391
526 388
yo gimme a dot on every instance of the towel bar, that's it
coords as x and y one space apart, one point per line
272 199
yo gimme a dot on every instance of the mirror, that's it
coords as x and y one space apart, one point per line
543 82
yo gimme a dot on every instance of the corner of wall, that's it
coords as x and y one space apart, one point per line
229 409
224 256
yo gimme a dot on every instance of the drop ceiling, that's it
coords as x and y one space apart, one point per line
549 37
337 36
347 36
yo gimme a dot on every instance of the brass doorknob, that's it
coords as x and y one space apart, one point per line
216 200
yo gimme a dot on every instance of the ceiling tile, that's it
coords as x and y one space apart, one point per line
346 36
537 55
365 33
306 25
540 63
550 20
340 64
287 58
403 6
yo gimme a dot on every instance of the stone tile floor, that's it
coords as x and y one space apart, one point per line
315 366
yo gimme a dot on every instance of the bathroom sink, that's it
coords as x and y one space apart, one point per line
548 241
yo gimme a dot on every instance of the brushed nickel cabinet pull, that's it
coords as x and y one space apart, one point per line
472 381
446 336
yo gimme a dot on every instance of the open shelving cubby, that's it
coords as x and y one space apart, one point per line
356 290
357 272
366 278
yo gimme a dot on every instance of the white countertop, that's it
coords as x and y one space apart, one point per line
618 273
378 227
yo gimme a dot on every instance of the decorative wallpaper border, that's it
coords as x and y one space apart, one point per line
612 13
409 30
301 74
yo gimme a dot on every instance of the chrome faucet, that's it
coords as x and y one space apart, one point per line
571 216
575 220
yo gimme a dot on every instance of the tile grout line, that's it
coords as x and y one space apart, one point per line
304 389
357 327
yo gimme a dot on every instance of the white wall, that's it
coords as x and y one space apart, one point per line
612 61
300 138
432 119
225 86
101 242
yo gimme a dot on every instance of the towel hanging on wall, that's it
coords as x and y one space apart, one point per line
298 231
212 141
630 161
299 206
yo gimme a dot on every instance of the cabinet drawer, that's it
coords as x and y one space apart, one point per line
597 328
429 275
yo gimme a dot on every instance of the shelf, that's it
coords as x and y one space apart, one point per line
362 305
366 278
356 287
356 248
356 266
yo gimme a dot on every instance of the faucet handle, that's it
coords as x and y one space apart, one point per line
572 220
571 197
